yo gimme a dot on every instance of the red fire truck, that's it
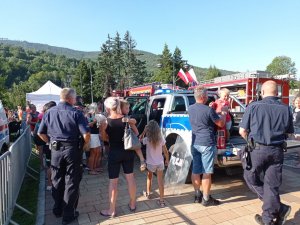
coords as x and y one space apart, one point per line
245 88
149 89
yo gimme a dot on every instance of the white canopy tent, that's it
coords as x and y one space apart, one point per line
48 92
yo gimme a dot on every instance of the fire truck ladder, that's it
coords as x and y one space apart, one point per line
238 76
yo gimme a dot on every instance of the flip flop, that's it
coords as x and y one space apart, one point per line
161 203
108 215
100 170
146 195
131 209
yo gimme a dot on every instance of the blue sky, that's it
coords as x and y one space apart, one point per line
234 35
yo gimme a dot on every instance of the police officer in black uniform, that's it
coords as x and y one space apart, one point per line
62 125
267 123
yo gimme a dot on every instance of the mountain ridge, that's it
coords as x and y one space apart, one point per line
151 59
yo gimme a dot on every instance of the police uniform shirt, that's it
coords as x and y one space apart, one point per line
64 123
268 121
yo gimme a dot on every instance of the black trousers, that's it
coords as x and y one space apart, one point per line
265 178
66 174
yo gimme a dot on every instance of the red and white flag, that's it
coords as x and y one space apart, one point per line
189 77
183 76
191 72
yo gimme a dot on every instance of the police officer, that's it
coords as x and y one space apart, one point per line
267 122
62 125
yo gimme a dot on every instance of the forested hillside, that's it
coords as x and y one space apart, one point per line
23 71
25 67
150 58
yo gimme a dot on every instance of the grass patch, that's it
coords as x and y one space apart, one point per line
28 196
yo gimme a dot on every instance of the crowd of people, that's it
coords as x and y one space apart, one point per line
68 132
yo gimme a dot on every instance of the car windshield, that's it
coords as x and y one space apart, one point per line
191 100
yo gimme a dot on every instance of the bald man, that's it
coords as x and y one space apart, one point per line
267 122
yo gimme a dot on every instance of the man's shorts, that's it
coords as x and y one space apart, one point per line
203 159
154 168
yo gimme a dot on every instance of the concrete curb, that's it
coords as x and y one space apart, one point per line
40 215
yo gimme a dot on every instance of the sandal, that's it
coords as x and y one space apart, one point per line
161 203
131 209
143 166
104 213
100 170
146 194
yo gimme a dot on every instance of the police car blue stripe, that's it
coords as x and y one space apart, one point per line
177 122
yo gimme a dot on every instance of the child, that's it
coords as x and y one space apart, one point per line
46 149
95 146
221 102
124 105
296 115
155 145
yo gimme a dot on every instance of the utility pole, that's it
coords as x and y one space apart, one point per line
91 75
80 85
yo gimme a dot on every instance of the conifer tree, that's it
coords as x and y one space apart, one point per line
164 74
82 83
212 72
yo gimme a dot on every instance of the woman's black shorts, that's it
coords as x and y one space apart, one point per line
118 157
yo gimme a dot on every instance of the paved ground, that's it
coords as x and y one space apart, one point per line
238 206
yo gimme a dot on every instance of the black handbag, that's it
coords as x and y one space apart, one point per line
131 141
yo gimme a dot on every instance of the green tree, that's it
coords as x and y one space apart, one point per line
178 64
282 65
104 77
118 66
212 72
81 81
164 74
134 69
17 94
3 90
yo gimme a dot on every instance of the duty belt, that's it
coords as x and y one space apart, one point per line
258 144
55 145
282 145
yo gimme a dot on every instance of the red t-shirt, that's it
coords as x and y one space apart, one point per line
218 104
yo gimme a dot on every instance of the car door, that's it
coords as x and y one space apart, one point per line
138 110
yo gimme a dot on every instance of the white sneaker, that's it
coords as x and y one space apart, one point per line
49 188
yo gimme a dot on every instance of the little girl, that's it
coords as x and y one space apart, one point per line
155 146
125 108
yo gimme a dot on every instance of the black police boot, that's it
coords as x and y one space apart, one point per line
258 219
57 213
284 212
198 199
210 202
70 220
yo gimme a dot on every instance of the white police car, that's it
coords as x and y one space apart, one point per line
4 133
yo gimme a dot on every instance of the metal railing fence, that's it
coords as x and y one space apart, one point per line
13 167
5 188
